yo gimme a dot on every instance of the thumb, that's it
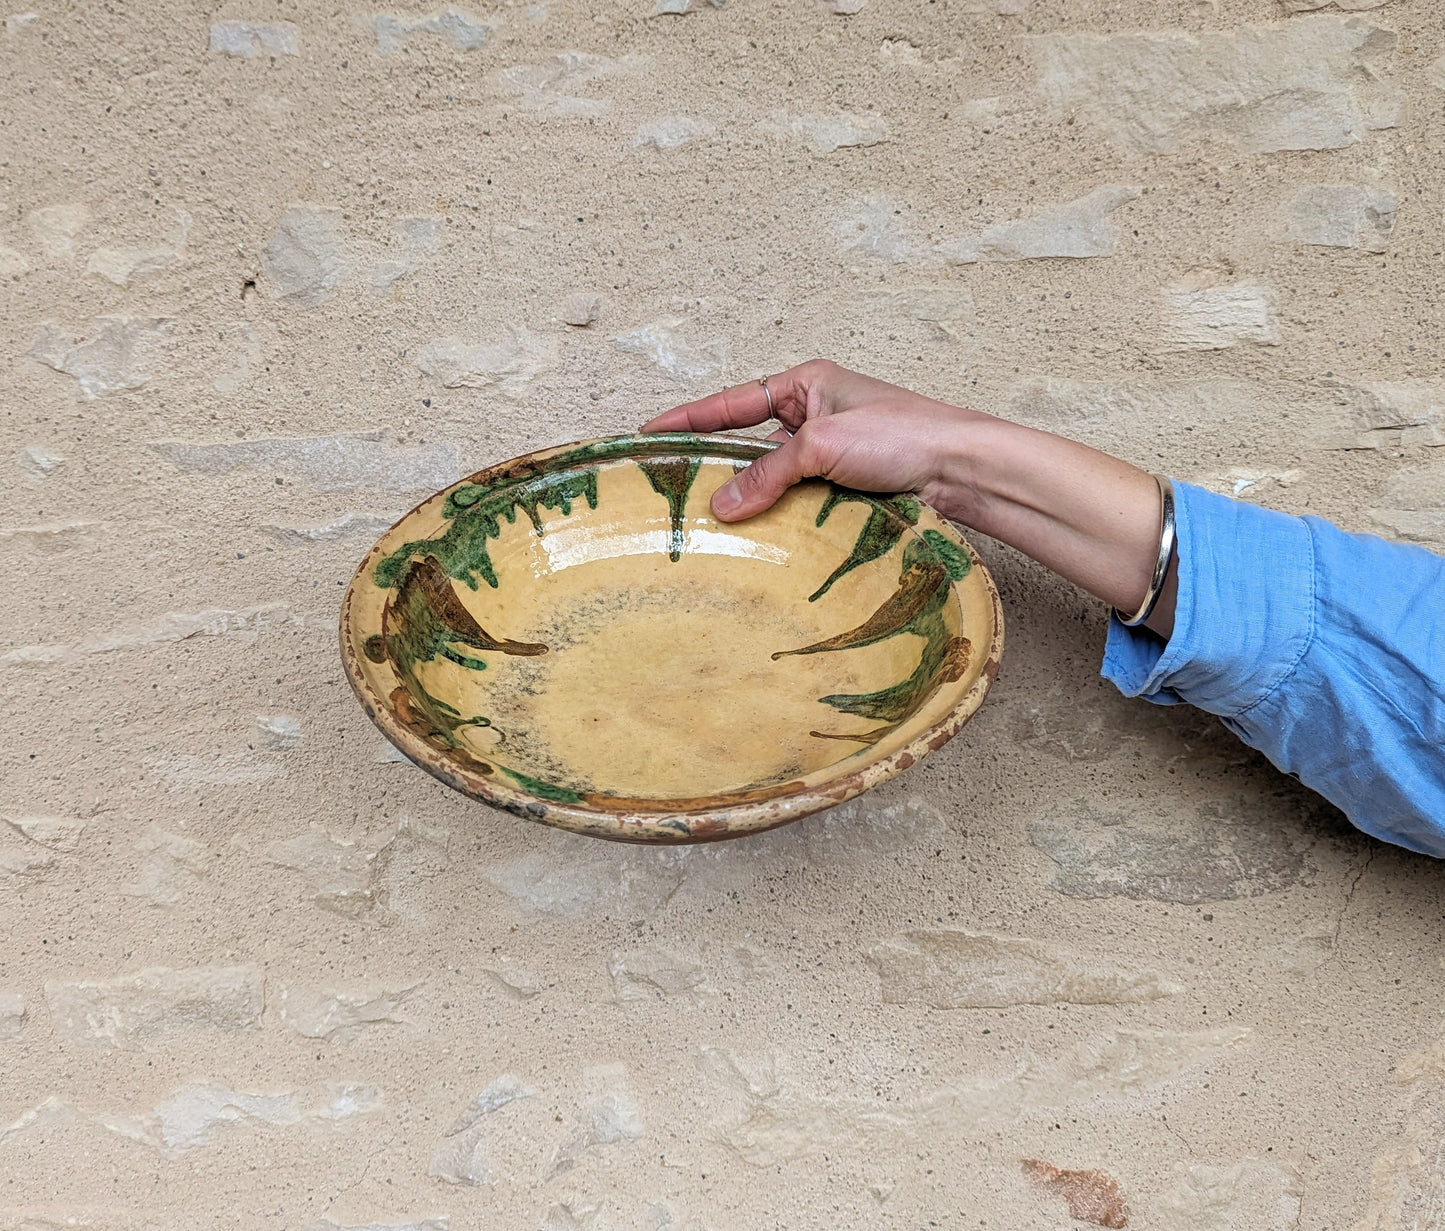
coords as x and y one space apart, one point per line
759 487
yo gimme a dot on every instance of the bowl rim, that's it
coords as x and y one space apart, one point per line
714 818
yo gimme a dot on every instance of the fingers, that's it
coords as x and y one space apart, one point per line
740 406
797 395
758 487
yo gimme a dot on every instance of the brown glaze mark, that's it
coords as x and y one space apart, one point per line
924 586
863 737
426 618
918 586
699 803
425 621
436 588
1093 1196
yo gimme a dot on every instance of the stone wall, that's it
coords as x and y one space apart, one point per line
270 274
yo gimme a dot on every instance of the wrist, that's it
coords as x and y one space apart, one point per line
968 464
1089 517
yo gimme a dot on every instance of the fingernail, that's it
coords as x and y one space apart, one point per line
727 498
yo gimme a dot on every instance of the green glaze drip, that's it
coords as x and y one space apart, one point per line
957 561
476 510
476 515
542 790
671 477
889 518
915 607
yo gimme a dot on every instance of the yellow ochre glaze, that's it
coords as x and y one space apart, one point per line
573 637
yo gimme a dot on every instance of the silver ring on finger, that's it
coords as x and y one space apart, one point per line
772 412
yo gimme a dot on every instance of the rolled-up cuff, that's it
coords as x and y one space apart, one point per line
1244 615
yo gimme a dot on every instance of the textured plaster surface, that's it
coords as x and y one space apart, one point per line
271 273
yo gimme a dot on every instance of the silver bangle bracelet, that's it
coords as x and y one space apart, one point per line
1161 565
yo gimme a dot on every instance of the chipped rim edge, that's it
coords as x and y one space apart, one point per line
712 824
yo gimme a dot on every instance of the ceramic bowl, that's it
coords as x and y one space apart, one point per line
571 636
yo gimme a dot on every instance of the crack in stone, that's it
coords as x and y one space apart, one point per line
1345 906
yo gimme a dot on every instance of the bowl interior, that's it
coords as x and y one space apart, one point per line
580 629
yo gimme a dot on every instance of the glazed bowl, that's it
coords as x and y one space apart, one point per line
571 636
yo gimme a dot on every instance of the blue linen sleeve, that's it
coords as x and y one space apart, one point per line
1322 649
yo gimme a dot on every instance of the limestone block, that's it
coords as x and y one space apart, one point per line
826 134
680 8
145 1009
342 1013
641 974
1122 1065
112 358
875 227
24 866
1412 505
122 265
170 865
462 1156
1218 317
357 460
439 1223
612 1118
551 87
463 31
198 1115
278 732
38 462
1386 415
56 833
12 264
1343 216
348 525
1347 6
55 228
55 538
668 132
1217 1196
251 40
12 1014
579 309
342 875
172 626
1309 84
508 365
953 968
1076 230
662 342
1237 847
305 260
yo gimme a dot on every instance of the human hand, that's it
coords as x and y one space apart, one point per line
836 424
1088 516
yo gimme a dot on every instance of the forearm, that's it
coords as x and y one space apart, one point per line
1087 516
